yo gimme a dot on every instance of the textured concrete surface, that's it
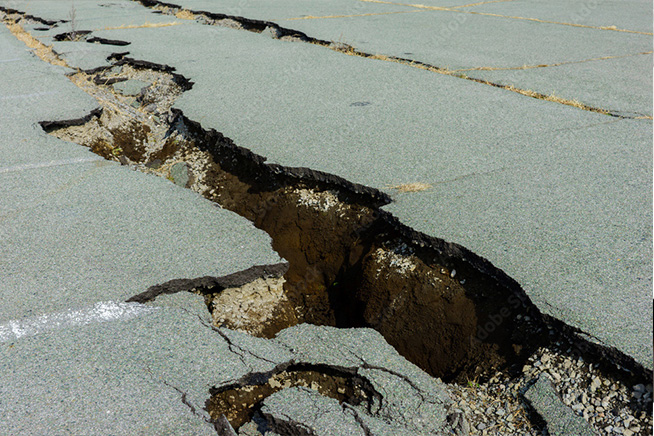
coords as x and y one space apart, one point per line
637 16
79 235
150 371
584 36
122 376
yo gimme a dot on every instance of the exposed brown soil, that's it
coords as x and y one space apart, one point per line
350 264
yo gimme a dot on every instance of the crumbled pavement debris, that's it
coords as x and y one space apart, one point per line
130 87
498 406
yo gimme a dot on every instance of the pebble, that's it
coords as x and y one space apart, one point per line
495 408
639 388
596 383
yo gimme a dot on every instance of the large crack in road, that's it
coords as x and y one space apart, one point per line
350 264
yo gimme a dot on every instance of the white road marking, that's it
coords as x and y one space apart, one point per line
102 311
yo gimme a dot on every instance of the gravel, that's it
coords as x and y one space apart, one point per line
608 404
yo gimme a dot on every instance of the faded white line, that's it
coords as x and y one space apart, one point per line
34 94
10 60
52 163
103 311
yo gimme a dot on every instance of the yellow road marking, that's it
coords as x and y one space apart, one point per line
538 20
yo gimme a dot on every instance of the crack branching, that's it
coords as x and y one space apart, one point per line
234 348
283 33
355 414
183 398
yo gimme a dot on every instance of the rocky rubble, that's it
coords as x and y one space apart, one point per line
607 404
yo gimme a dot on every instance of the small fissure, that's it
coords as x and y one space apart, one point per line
77 35
85 36
117 42
240 402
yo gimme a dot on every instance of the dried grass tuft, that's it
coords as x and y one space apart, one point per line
411 187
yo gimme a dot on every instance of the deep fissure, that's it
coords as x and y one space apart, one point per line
351 264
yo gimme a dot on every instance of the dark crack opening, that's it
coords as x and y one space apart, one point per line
350 264
239 403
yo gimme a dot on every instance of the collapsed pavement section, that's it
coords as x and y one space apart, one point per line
555 196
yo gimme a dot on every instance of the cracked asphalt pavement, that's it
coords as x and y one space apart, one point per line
521 130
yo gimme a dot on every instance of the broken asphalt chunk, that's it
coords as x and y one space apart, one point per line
338 381
560 419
